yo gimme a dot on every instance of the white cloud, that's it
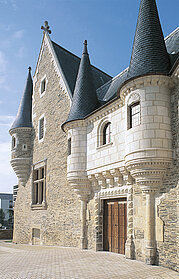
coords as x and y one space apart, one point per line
21 52
6 119
12 3
5 124
7 175
18 34
3 62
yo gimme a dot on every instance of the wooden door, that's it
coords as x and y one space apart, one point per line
115 225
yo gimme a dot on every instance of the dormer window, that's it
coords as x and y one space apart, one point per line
107 133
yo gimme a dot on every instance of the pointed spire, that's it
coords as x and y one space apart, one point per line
84 99
149 54
24 115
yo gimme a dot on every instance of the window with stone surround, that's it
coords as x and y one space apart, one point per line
14 142
133 110
107 133
43 86
134 115
104 133
39 185
41 128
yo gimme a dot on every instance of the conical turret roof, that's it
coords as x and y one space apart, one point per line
24 115
149 54
84 99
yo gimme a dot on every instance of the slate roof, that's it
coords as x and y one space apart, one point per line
84 99
109 91
149 53
24 115
70 64
172 42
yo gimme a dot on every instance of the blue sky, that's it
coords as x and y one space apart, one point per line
108 25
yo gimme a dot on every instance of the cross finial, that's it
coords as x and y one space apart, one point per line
46 27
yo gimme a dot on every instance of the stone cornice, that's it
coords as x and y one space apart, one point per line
73 124
114 192
118 102
148 80
15 130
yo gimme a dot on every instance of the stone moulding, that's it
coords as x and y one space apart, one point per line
22 167
12 131
144 81
148 173
81 186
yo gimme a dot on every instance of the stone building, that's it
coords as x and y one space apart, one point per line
97 157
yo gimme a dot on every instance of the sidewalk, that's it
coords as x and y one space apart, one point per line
46 262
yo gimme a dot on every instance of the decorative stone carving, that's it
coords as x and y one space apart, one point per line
127 178
22 167
118 180
101 180
109 179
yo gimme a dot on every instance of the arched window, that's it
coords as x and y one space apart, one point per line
134 115
107 133
133 111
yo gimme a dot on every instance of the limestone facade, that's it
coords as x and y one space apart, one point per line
59 221
67 177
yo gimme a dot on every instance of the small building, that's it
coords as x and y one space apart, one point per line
6 204
15 190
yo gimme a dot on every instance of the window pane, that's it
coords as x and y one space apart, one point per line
107 133
135 115
42 172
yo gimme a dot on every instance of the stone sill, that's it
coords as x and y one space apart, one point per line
104 145
38 206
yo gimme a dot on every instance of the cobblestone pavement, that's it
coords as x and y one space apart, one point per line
45 262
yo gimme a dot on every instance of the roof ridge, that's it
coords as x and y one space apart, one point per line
172 33
79 58
118 75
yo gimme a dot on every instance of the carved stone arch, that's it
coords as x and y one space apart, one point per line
133 98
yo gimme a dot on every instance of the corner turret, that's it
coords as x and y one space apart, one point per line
84 102
21 132
149 53
84 99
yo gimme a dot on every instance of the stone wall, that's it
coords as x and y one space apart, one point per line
6 234
168 209
59 223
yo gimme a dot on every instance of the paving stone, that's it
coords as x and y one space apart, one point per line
37 262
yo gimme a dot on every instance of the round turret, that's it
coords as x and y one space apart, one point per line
21 132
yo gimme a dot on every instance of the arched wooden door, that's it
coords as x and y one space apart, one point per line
115 225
